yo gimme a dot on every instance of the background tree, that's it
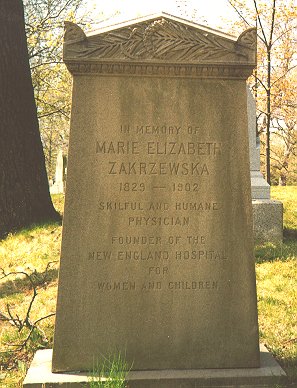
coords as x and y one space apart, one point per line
276 23
24 194
284 146
52 82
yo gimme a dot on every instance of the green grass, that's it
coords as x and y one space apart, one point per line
288 196
31 250
276 270
110 373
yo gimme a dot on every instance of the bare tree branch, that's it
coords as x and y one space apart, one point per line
260 23
284 75
272 24
239 13
26 322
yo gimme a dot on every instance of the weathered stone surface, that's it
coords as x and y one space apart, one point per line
268 375
260 188
157 248
146 46
268 220
267 214
58 186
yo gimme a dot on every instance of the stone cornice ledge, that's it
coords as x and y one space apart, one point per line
221 71
161 46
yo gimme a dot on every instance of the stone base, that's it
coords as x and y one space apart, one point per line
268 375
268 220
260 188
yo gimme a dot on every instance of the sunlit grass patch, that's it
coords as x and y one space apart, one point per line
58 201
288 196
34 251
31 248
277 307
277 287
273 251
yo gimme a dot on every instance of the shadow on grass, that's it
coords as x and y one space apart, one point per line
290 367
290 234
278 251
19 285
39 226
31 228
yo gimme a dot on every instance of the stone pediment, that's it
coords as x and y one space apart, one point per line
158 39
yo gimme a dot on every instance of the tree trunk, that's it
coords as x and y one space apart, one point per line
268 114
282 179
24 191
284 168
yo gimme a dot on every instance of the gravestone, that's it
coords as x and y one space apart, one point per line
157 248
157 251
260 188
57 187
267 213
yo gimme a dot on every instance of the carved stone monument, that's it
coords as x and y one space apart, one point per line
260 188
157 249
267 213
58 185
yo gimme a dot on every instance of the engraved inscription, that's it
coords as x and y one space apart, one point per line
163 206
100 255
153 221
174 148
200 285
179 285
142 255
157 168
136 240
116 286
159 148
197 206
121 206
119 147
157 130
136 165
158 270
198 255
132 186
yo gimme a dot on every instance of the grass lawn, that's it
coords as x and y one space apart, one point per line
36 252
276 269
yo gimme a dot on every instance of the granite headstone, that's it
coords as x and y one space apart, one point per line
267 213
157 248
57 187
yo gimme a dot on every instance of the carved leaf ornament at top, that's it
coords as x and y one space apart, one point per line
161 39
167 40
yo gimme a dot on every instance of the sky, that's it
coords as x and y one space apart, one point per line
207 12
